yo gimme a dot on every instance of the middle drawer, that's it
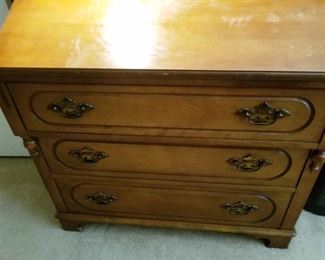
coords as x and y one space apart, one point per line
263 166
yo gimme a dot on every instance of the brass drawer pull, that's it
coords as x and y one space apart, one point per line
239 208
249 163
263 114
102 198
70 108
88 155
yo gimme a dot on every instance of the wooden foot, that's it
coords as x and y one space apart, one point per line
277 242
71 225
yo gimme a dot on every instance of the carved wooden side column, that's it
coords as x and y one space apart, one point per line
31 146
317 160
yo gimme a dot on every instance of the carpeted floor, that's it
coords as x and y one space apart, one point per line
28 230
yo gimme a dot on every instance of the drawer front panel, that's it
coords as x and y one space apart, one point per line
227 164
107 110
231 206
169 111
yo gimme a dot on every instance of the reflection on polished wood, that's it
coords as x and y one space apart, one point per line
257 35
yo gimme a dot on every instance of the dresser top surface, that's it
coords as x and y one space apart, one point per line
254 35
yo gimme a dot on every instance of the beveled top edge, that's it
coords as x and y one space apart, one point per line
105 75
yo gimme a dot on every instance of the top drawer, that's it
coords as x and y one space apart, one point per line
173 111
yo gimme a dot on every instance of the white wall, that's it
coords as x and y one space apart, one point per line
3 10
10 145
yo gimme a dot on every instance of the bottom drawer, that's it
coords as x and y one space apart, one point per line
225 204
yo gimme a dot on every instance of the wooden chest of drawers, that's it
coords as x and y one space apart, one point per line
170 133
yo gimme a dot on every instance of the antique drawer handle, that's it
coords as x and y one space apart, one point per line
249 163
102 198
70 108
88 155
239 208
263 114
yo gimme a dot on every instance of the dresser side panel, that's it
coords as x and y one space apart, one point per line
10 111
300 197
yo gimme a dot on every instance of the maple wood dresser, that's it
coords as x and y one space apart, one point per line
191 114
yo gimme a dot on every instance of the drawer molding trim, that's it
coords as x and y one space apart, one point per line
260 162
293 99
104 209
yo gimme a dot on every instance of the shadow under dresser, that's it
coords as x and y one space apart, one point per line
196 116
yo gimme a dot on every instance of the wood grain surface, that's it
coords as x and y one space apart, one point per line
172 111
166 80
176 203
158 159
180 35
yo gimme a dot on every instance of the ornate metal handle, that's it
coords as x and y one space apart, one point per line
70 108
248 163
239 208
88 155
263 114
102 198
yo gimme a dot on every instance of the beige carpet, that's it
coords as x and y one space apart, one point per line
28 230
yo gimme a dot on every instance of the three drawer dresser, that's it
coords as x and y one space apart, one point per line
190 114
